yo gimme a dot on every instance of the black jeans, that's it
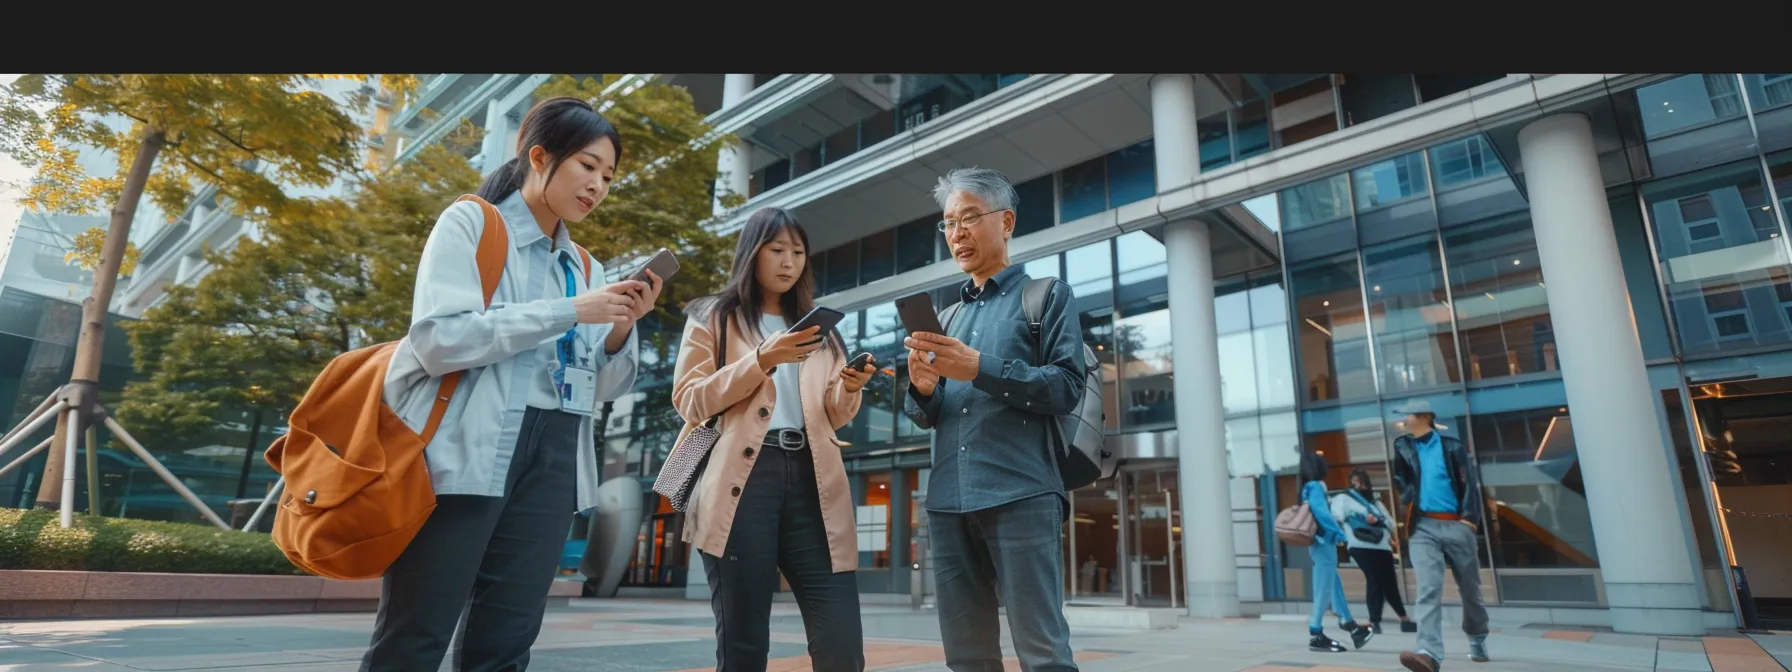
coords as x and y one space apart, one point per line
778 527
1383 583
491 559
1015 551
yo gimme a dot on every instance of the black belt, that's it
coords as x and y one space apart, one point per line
786 439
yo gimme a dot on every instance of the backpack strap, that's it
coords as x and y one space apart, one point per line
1032 300
494 249
586 255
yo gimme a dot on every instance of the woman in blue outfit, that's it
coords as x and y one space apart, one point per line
1328 589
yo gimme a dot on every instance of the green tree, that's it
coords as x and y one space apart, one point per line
247 135
327 276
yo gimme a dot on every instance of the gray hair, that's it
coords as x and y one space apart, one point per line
984 183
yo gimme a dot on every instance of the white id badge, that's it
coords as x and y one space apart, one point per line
579 394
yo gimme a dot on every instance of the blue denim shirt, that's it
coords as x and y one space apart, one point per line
991 443
1436 494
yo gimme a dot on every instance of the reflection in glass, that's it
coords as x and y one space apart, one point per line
1144 339
1770 96
1238 375
1269 333
1315 202
1712 567
1089 270
1531 474
1132 174
1333 336
1413 342
1389 181
877 256
1034 210
1684 102
1244 446
1083 189
1502 312
1720 255
1215 141
1466 160
915 243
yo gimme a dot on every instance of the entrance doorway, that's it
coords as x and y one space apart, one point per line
1744 428
1152 545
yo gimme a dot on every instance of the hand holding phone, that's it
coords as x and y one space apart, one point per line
857 373
663 264
918 315
821 316
858 363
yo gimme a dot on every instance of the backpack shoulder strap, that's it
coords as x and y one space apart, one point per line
1032 299
494 247
586 255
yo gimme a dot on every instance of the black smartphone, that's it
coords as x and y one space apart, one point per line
662 264
858 363
822 316
918 315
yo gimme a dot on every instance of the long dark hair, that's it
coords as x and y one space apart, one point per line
562 126
1313 467
740 297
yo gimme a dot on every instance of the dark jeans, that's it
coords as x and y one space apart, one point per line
489 559
778 526
1014 551
1383 583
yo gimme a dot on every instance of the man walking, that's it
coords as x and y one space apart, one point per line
1441 490
996 506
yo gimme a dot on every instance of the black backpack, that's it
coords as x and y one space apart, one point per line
1082 453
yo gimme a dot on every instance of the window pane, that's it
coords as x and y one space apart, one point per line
883 339
1274 363
1315 202
1389 181
1531 472
1502 312
1142 333
1334 340
1771 97
1413 342
843 268
1034 211
877 256
1132 174
1736 268
1251 129
915 243
1089 270
1043 267
1216 141
1084 190
1688 101
1238 375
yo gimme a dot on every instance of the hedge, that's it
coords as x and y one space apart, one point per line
34 539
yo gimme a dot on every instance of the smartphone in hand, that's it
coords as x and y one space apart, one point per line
663 264
858 363
821 316
918 315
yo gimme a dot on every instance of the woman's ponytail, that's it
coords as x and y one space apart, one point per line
499 185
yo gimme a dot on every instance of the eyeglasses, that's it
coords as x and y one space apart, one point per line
946 225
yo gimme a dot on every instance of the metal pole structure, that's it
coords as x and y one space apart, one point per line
1170 534
33 415
41 446
31 425
93 469
73 442
273 494
156 466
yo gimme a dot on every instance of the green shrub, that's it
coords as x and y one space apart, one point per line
32 539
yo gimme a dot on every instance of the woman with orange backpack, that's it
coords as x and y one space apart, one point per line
513 457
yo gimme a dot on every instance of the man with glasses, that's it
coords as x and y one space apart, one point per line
996 505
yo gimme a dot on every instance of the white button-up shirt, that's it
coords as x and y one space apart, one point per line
505 350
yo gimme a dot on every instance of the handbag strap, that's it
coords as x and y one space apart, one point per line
721 360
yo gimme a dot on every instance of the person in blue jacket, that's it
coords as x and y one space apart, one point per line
1328 589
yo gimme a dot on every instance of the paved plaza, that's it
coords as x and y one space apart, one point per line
669 635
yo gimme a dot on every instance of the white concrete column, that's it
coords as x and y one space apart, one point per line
734 163
1650 586
1210 568
1173 130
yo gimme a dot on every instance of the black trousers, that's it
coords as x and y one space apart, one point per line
778 527
1383 583
491 559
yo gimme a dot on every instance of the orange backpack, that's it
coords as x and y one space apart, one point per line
357 485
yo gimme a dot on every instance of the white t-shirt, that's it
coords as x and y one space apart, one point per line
787 411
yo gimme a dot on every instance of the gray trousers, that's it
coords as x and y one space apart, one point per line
484 564
1013 553
1436 543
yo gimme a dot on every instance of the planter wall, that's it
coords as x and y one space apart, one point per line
39 594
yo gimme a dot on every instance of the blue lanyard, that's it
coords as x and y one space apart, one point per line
565 345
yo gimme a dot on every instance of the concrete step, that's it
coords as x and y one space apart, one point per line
1122 618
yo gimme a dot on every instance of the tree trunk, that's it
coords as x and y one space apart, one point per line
96 309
